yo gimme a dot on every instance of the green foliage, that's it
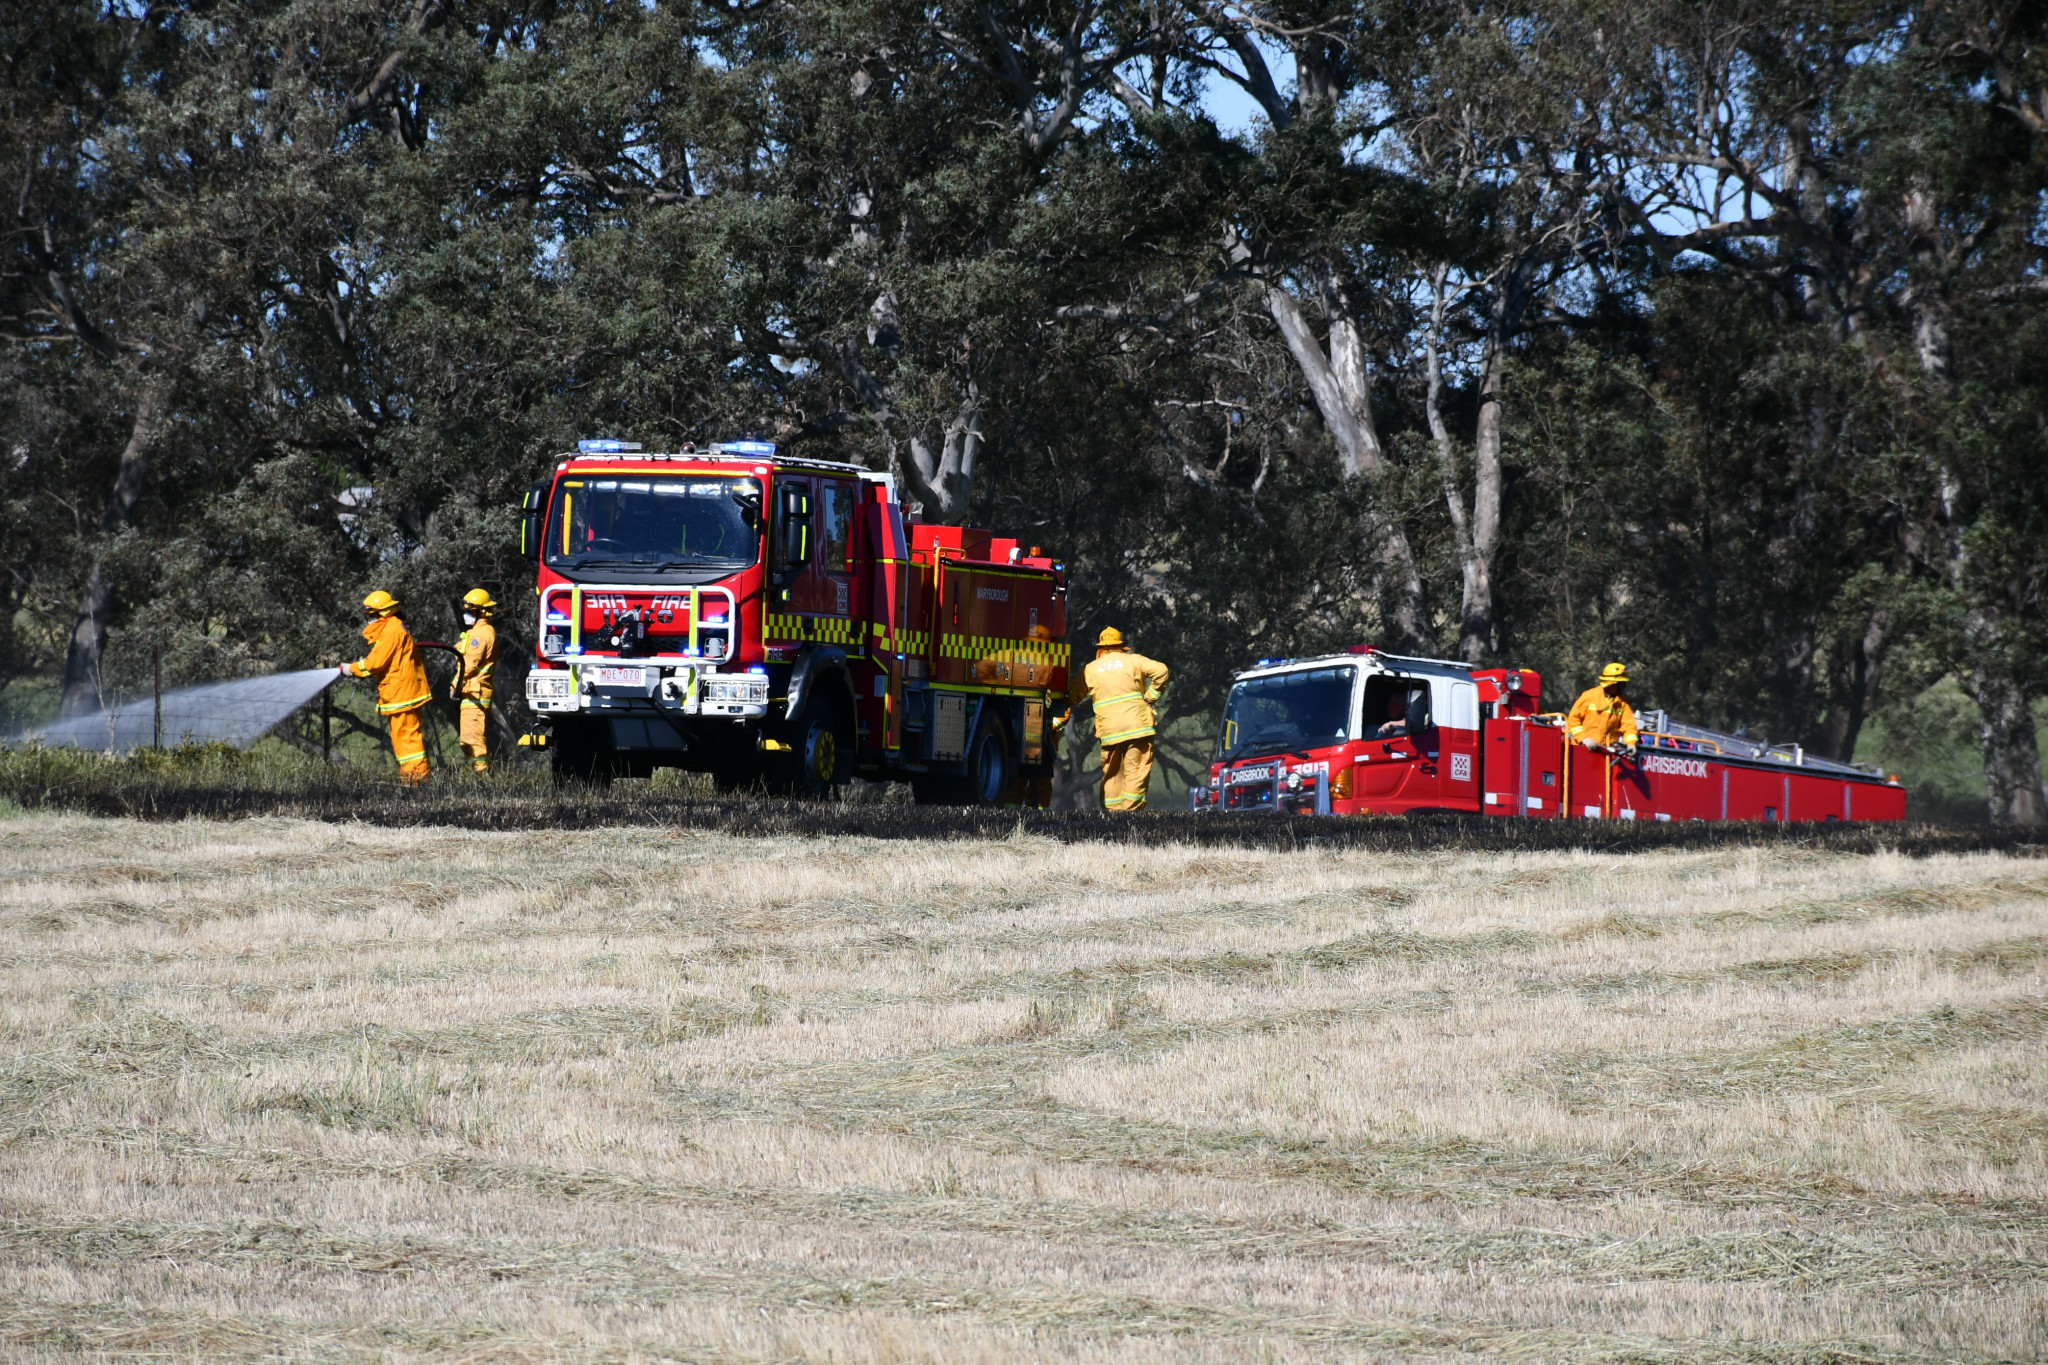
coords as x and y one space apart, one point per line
377 263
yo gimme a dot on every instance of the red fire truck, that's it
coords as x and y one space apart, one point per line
765 617
1366 732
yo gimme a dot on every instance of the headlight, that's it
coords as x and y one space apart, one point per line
746 689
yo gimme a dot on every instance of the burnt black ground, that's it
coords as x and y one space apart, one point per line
526 805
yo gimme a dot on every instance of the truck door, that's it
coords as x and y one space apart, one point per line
1394 769
812 552
1455 703
790 542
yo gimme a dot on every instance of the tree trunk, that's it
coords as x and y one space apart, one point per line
1340 383
1476 628
82 658
1471 643
2012 752
1337 381
1856 683
2005 731
944 479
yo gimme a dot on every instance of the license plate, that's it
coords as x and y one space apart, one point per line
618 677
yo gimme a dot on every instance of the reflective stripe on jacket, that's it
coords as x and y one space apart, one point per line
392 661
477 656
1597 718
1123 687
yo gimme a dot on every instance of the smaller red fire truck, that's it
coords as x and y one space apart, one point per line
1366 732
768 618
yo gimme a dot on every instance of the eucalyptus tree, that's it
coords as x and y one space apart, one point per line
1869 168
177 294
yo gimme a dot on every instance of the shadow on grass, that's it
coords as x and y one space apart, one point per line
216 782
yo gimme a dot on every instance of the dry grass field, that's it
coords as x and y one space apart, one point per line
326 1091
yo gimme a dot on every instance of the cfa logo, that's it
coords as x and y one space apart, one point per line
1677 767
993 594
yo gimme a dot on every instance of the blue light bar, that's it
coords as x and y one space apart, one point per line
606 447
761 448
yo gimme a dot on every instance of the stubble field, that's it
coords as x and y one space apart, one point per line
279 1088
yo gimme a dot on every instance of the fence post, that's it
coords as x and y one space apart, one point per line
156 731
327 724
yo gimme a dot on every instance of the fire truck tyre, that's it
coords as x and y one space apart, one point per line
821 748
989 769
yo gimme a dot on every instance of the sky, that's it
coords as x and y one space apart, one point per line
1234 111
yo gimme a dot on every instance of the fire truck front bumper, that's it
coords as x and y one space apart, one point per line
648 689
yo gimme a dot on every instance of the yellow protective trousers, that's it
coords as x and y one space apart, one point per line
1126 773
476 734
409 746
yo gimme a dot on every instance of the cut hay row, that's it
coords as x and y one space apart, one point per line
313 1089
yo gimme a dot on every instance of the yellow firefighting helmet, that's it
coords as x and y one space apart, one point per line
477 599
1111 638
1612 674
381 602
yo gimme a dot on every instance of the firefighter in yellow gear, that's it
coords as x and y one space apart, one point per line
401 683
1602 718
476 657
1123 687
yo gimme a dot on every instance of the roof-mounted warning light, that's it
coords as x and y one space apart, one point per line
761 449
606 446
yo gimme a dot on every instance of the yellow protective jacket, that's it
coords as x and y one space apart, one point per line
1123 687
392 661
1597 718
477 657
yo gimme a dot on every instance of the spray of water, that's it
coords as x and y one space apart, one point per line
238 712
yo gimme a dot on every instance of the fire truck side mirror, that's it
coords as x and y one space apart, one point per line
792 533
530 508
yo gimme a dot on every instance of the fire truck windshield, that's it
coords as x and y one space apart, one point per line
646 523
1304 710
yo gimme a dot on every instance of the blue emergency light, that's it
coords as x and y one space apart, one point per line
606 446
761 448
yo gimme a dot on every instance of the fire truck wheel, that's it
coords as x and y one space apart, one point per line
988 764
821 749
